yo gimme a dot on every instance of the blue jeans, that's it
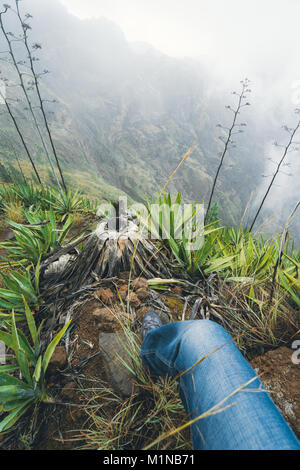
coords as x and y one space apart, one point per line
251 422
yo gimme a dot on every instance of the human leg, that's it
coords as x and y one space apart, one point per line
251 421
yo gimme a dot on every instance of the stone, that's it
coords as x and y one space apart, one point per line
59 358
142 294
69 390
112 348
123 291
111 319
10 236
141 312
124 288
105 295
139 283
133 299
104 317
177 290
102 314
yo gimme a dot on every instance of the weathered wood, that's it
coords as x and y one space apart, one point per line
107 253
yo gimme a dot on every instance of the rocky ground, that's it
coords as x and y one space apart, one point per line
95 355
281 378
90 358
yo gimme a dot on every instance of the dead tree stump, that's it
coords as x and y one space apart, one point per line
108 252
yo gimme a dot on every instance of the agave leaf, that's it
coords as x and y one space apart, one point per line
15 338
11 419
37 372
7 339
31 324
7 379
7 368
14 392
24 365
50 349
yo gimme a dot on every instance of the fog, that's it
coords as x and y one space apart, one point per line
199 50
235 38
232 39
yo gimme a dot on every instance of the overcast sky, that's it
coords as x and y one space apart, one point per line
234 38
258 37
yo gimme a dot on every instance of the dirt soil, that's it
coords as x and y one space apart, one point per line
278 373
84 369
281 377
72 373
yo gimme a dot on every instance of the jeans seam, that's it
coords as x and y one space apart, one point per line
166 363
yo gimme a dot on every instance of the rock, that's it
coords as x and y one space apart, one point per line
112 348
10 236
123 291
102 313
108 319
105 319
123 295
133 299
105 295
69 390
177 290
139 283
141 312
124 288
59 358
142 294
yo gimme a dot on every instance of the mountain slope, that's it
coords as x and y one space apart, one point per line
127 114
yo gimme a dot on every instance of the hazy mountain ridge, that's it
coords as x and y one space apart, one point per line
132 114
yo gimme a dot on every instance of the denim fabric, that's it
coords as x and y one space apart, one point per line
251 422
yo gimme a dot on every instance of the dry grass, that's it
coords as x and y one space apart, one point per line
79 220
3 224
14 212
153 417
4 270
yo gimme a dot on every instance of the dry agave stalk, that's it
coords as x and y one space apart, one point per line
108 252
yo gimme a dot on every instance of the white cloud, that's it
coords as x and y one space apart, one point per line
235 38
249 30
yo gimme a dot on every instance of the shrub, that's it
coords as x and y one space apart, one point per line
30 364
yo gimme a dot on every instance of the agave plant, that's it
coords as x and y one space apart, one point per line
41 237
17 395
47 197
170 220
232 253
66 203
27 193
19 285
7 196
291 284
289 276
89 206
251 258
